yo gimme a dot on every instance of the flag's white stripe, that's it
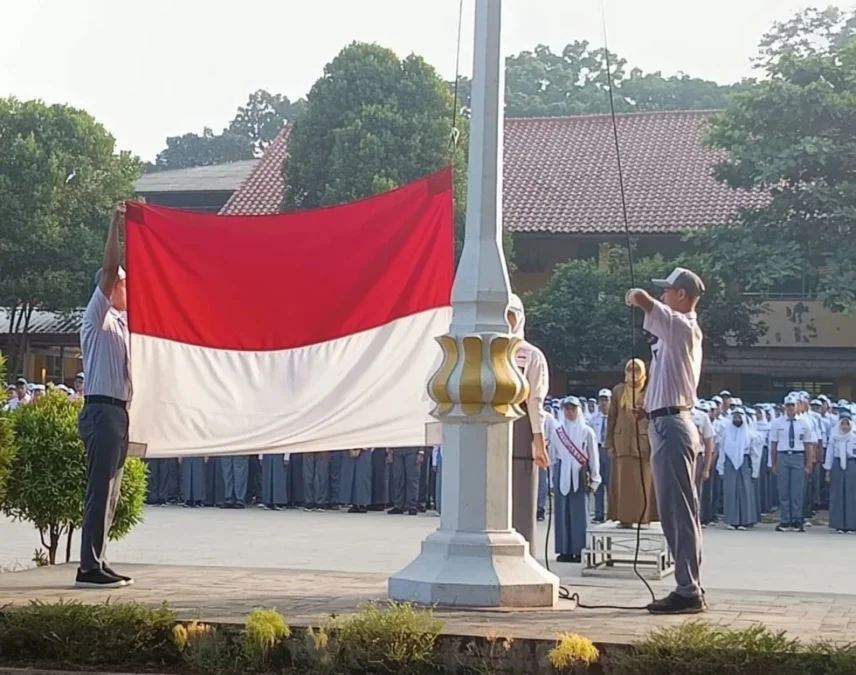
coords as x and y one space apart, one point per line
364 390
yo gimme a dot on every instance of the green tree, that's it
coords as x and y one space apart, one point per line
540 83
263 116
581 321
59 176
790 138
47 476
189 150
373 122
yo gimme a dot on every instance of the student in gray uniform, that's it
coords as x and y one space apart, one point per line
792 442
192 481
336 459
235 470
576 475
356 484
316 481
738 463
254 479
406 468
380 480
295 480
424 481
213 482
676 361
169 489
152 481
840 466
103 421
437 461
274 482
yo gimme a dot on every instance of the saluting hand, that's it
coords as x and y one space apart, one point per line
119 210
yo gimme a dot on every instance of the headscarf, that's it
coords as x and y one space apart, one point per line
578 431
515 306
632 394
843 442
736 442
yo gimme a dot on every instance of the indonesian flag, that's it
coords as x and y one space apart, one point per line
295 332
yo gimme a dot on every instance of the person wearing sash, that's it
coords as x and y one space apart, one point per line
576 473
355 490
626 498
273 492
192 481
528 447
840 466
739 463
598 421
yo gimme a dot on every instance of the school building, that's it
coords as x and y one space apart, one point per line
562 202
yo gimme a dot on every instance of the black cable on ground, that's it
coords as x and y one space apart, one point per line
564 592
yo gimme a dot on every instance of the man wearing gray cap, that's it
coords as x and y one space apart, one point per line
675 371
103 422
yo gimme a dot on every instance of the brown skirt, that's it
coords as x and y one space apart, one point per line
625 499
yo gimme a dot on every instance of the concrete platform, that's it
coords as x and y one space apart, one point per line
307 598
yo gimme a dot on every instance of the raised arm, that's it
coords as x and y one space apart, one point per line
112 254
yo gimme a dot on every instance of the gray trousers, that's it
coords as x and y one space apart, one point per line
236 473
104 430
405 478
791 470
674 440
316 479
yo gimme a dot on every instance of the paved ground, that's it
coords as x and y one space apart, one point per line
306 598
759 560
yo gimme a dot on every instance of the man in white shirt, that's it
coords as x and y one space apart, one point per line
671 393
792 439
22 391
598 421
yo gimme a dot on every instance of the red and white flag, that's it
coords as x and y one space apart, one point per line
294 332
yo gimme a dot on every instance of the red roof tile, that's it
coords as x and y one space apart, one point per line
561 175
261 193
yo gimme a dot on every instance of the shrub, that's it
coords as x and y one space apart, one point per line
264 630
392 638
46 482
71 634
700 648
573 652
6 447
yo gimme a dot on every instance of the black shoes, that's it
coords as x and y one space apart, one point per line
678 604
395 511
99 579
413 512
358 509
129 581
540 515
566 558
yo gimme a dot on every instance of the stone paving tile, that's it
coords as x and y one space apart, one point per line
307 597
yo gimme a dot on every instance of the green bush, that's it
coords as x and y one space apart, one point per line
6 446
46 482
700 648
70 634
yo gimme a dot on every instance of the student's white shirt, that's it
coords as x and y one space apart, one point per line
840 448
598 422
15 402
804 433
584 438
705 428
675 359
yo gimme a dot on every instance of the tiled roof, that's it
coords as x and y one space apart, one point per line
261 192
561 175
220 177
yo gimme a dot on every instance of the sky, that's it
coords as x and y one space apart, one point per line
148 70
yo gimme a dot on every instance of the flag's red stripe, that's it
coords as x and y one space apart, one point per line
289 280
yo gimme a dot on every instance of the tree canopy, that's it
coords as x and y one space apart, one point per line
373 122
253 128
60 174
541 83
792 137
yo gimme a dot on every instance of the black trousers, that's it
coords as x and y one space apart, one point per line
104 430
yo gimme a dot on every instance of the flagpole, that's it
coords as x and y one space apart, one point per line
475 558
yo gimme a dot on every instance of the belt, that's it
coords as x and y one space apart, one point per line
666 412
792 452
107 400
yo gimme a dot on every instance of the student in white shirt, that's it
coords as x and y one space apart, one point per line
739 463
792 440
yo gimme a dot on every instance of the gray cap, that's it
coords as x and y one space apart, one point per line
682 279
100 273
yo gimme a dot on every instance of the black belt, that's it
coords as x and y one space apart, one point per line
108 400
791 452
666 412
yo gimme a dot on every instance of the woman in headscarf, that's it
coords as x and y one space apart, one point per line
739 463
576 474
840 465
274 481
355 488
192 481
628 502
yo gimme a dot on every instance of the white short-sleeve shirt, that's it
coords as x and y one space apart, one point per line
804 433
675 358
104 342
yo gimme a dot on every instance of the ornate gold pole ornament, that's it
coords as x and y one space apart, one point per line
479 379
